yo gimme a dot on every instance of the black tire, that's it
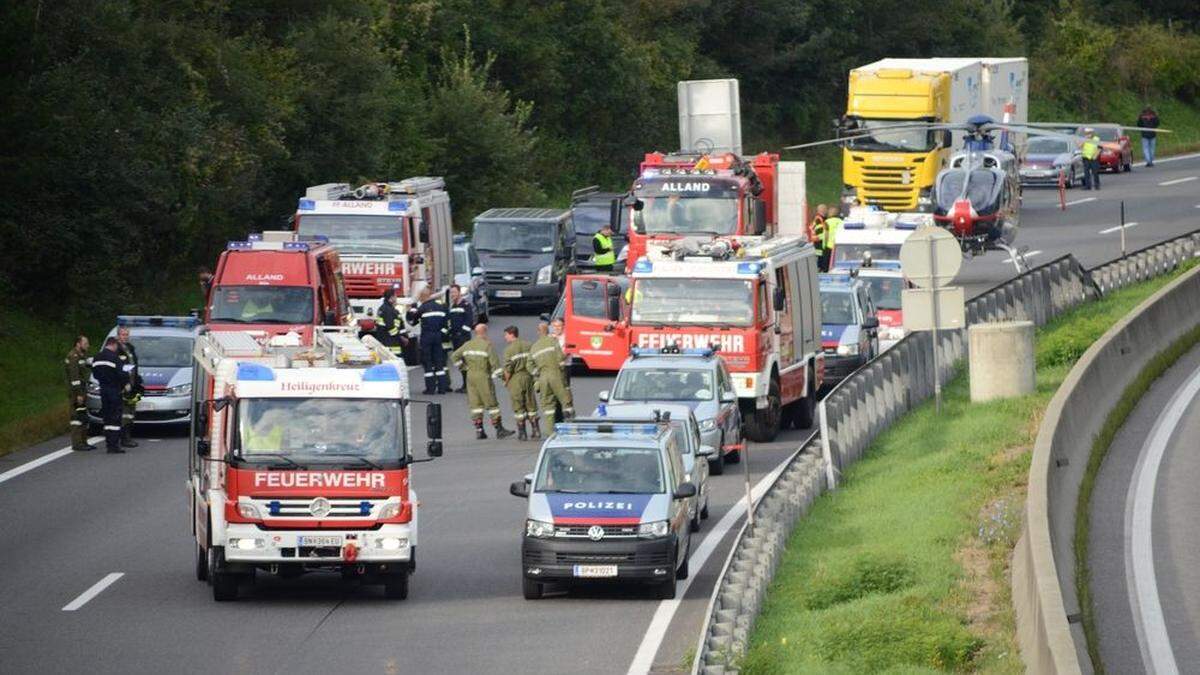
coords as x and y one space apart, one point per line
395 586
531 589
716 464
666 590
682 571
201 563
225 586
763 425
704 511
734 457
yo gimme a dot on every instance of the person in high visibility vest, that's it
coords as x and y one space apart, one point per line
1090 148
828 236
602 244
818 222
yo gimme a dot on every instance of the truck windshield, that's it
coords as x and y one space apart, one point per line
158 351
886 292
261 304
589 218
321 430
660 384
882 136
837 308
461 265
514 236
357 233
675 214
693 301
853 253
607 469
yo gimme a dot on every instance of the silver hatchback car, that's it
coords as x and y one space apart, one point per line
696 378
164 350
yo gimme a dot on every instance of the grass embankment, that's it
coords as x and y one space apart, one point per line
34 407
905 568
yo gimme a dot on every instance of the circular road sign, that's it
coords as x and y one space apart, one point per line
929 249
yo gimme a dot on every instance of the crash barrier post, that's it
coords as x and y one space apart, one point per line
849 424
1043 565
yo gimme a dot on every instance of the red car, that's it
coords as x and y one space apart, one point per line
1116 151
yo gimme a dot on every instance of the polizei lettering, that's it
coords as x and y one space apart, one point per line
609 506
686 187
300 479
369 268
728 342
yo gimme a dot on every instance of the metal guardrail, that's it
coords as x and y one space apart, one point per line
867 402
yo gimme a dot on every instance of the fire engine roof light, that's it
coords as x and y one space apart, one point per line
239 246
384 372
398 205
255 372
857 225
254 236
314 238
749 267
830 279
165 321
643 266
307 205
295 245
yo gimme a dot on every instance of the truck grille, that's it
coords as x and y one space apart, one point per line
884 185
301 507
610 531
508 278
362 287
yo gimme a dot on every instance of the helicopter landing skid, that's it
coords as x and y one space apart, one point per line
1017 256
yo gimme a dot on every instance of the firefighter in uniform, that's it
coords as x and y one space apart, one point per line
133 388
602 246
108 371
546 364
461 318
435 330
477 360
520 383
79 373
391 331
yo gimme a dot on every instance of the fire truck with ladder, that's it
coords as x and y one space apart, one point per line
755 301
300 460
395 235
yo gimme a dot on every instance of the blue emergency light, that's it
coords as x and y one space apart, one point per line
295 245
364 508
307 205
749 267
856 225
384 372
643 266
254 236
671 351
164 321
315 238
398 205
580 428
255 372
239 246
273 507
886 264
833 278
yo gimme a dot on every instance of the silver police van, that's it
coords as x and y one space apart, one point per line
164 350
608 501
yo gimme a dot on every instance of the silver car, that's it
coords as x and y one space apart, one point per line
468 275
164 350
696 378
691 448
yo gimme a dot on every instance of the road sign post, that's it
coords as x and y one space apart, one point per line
931 258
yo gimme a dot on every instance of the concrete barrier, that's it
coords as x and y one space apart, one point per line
1044 591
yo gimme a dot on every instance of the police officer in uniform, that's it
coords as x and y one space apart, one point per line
133 388
602 247
519 381
108 370
390 328
461 318
1090 149
79 373
477 360
435 330
546 362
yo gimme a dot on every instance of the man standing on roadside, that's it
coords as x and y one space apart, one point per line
1148 120
79 373
477 360
113 378
546 364
133 388
1090 149
520 383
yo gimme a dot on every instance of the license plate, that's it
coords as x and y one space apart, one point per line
508 294
147 404
319 541
595 571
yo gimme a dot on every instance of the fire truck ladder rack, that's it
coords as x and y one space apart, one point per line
333 348
409 187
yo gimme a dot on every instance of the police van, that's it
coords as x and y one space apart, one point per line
608 501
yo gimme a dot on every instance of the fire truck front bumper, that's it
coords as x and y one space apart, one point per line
391 543
751 386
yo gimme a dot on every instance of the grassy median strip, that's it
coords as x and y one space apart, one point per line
905 568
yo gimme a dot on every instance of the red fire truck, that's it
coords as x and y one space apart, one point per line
709 197
390 235
300 460
276 284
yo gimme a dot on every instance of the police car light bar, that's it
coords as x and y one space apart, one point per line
239 246
164 321
672 351
854 226
582 427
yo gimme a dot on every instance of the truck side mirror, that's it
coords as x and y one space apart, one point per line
778 299
603 396
614 215
614 308
519 488
870 322
433 429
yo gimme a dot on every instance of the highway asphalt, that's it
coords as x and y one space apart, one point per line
75 521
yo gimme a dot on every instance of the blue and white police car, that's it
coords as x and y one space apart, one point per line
608 501
849 327
164 350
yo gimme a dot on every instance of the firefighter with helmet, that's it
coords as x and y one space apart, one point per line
519 380
430 315
477 360
79 372
461 317
546 363
391 331
134 388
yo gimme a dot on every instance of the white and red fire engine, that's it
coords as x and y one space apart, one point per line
300 460
395 235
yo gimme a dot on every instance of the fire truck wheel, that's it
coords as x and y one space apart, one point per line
763 425
531 589
201 563
396 586
716 465
225 586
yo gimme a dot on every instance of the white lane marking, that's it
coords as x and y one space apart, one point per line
1118 228
1174 158
92 592
44 459
1177 181
643 660
1030 254
1085 200
1141 581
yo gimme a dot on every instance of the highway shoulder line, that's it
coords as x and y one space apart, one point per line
1177 181
1172 158
1144 600
44 459
1117 228
1084 200
96 589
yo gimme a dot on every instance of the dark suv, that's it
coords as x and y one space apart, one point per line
591 210
526 255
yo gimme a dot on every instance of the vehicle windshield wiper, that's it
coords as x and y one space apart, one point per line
279 321
564 491
254 458
360 458
230 319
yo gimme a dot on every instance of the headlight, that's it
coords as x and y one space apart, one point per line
893 333
390 510
708 424
924 198
544 275
94 388
847 350
246 544
392 543
538 529
180 390
653 530
249 511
